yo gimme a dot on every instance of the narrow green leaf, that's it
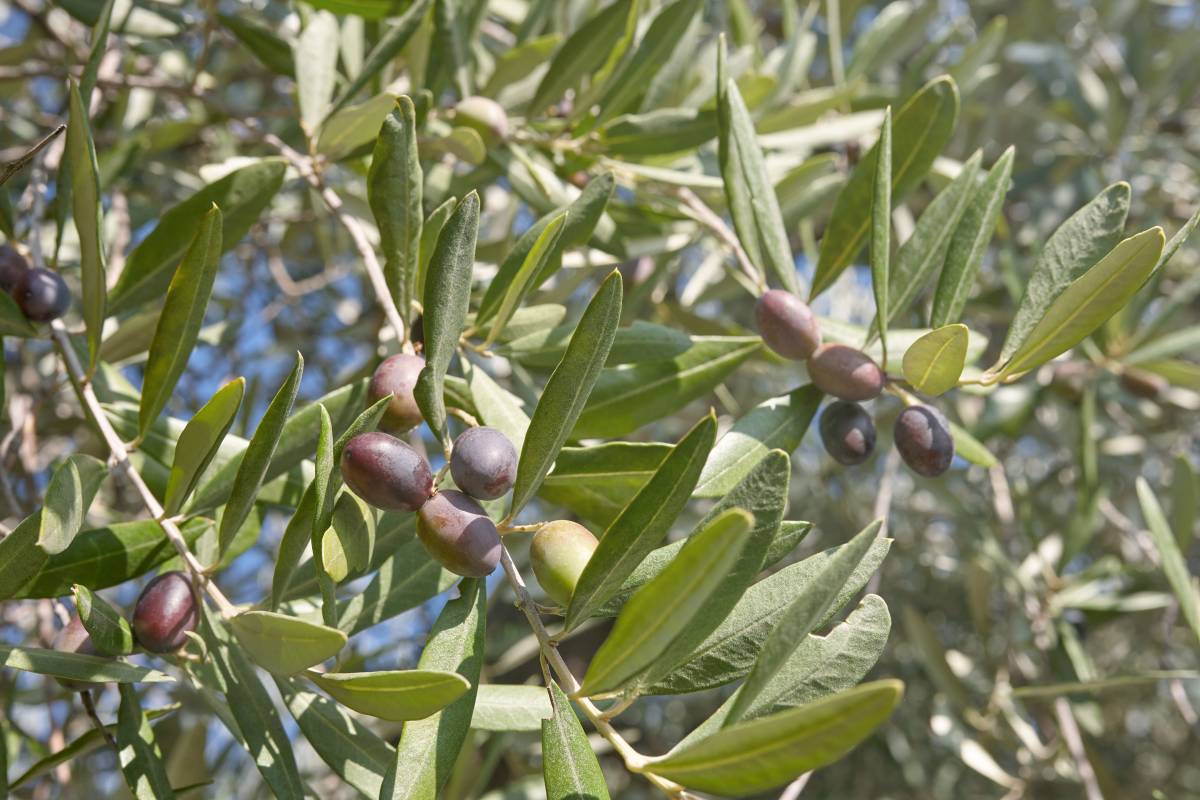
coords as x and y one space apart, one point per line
766 753
285 645
544 248
970 448
72 488
297 536
315 53
268 48
199 442
498 408
241 195
429 747
643 523
500 707
345 134
396 695
109 631
1186 291
596 483
138 752
1077 244
519 62
1173 563
12 320
801 618
252 469
385 51
585 51
405 580
970 242
394 191
569 765
183 313
662 609
447 297
934 363
1056 690
881 229
85 201
431 232
636 343
77 667
87 81
920 130
567 390
352 535
1185 501
1091 299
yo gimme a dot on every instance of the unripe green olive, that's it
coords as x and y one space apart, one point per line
397 376
924 440
787 325
483 114
74 638
847 432
12 266
165 612
386 472
459 534
559 552
483 463
42 295
845 373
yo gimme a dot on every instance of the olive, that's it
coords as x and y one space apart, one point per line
787 325
397 376
924 440
165 612
847 432
12 266
484 115
386 472
42 295
459 534
559 552
74 638
845 373
1142 383
483 463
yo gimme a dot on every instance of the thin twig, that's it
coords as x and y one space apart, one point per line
89 705
709 219
1074 741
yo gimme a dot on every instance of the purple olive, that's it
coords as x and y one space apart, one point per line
386 472
42 295
165 612
847 432
558 553
787 325
483 463
458 533
12 266
845 373
924 440
74 638
397 376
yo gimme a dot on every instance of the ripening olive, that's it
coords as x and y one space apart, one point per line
386 472
165 612
74 638
787 325
397 376
559 552
845 373
458 533
12 266
847 432
924 440
483 463
1142 383
42 295
484 115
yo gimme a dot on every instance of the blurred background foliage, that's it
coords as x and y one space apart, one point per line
1035 574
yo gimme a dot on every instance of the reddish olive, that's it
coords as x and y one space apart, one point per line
924 440
483 463
12 266
397 376
845 373
787 325
847 432
386 472
484 115
558 553
458 533
74 638
165 612
42 295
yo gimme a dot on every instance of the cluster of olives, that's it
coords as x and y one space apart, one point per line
922 433
166 611
41 294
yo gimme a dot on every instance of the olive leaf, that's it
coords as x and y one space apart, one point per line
72 488
1173 562
394 695
394 191
385 50
881 230
285 645
109 631
585 51
140 756
199 442
934 363
85 200
569 765
77 666
503 707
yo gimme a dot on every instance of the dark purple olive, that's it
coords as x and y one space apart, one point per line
12 266
165 612
74 638
458 533
787 325
847 432
386 472
42 295
397 376
483 463
845 373
924 440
